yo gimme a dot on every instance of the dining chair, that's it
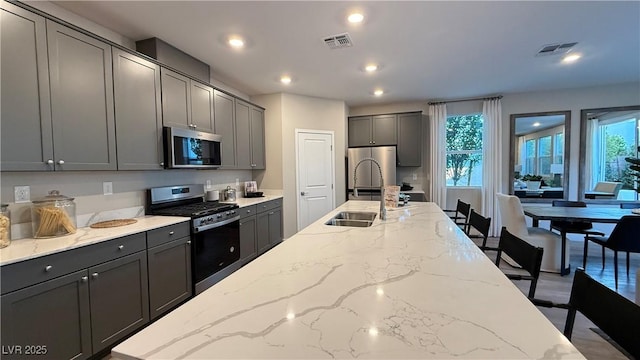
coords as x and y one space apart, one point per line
574 227
527 256
615 315
460 215
512 217
624 237
478 228
630 205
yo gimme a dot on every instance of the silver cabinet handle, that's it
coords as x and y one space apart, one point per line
94 275
271 213
48 268
170 232
85 278
374 141
162 164
195 126
248 211
120 247
50 162
60 162
189 241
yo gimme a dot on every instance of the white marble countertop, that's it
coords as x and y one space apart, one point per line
29 248
413 286
243 202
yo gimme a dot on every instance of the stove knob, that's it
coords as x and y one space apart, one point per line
219 216
233 212
227 213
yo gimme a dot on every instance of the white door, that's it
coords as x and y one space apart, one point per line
315 174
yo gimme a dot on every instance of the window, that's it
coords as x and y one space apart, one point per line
613 136
540 150
464 150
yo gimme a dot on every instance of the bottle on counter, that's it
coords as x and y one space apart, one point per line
5 226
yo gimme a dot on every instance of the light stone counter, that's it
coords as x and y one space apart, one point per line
244 202
29 248
413 286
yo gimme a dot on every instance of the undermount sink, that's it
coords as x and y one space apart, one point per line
352 218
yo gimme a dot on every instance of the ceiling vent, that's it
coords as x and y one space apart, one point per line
555 49
338 41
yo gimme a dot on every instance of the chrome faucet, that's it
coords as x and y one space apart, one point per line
383 210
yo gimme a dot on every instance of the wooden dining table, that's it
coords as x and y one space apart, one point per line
591 214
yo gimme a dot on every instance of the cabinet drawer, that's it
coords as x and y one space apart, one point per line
248 211
29 272
269 205
165 234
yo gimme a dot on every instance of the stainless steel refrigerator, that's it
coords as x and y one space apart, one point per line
368 174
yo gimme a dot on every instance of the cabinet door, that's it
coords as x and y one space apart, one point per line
275 226
175 99
54 314
224 109
257 138
202 106
410 139
384 130
170 280
262 232
118 290
360 131
81 100
243 135
248 244
26 142
138 113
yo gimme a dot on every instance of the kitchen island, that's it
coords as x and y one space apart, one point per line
413 286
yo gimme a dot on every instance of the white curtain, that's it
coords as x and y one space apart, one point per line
492 160
438 188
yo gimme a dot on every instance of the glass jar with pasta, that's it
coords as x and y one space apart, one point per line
53 215
5 226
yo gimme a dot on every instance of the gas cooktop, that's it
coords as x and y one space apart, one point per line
196 210
183 200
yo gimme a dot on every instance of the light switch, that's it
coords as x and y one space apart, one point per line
107 188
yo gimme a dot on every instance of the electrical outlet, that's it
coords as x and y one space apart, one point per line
208 184
415 176
237 182
22 194
107 188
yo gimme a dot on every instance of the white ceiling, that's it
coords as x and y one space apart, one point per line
427 50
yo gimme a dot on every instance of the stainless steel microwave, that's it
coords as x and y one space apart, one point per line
191 149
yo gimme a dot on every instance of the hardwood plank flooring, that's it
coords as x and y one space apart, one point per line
557 288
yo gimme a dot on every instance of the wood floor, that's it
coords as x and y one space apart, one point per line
557 288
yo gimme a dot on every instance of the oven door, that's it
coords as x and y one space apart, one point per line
214 253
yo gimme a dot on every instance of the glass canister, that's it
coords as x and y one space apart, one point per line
53 215
5 225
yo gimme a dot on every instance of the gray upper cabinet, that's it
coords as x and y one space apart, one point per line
377 130
186 103
409 147
176 91
202 115
138 112
80 69
250 152
26 139
225 122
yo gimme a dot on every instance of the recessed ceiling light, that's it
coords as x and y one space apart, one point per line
285 79
355 18
378 92
236 42
571 58
536 124
371 67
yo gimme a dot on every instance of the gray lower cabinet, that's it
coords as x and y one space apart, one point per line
26 140
409 147
225 121
186 103
269 225
138 112
119 299
54 314
81 83
250 153
169 275
248 241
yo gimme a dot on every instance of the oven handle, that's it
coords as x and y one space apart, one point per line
199 229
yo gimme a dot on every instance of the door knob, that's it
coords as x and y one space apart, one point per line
94 275
61 162
50 162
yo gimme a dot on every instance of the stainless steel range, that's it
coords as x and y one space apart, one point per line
215 230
